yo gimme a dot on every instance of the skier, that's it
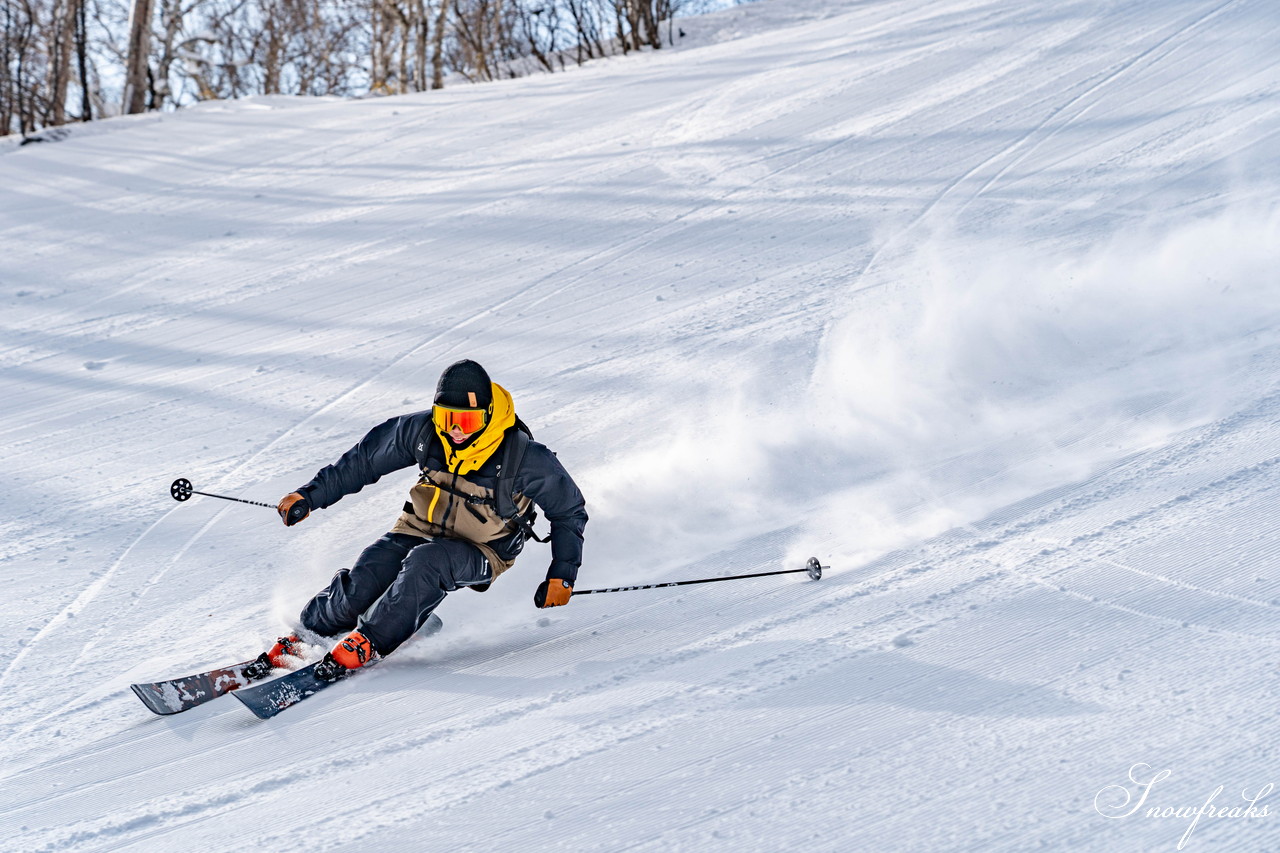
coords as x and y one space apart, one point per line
464 524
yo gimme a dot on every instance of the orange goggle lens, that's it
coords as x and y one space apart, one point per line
466 420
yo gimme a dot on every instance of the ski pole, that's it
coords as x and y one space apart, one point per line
813 568
182 491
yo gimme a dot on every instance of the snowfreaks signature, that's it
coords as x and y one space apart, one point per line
1117 801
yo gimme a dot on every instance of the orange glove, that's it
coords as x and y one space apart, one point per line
552 593
293 507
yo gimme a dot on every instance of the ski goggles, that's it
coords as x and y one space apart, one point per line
466 420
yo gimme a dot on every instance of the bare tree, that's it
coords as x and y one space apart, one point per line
60 38
540 33
275 34
653 37
471 30
19 42
420 33
169 53
82 57
39 42
137 68
587 29
437 46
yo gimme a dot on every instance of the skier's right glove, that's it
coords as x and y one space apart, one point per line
293 507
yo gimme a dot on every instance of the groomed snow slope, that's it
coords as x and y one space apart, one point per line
976 301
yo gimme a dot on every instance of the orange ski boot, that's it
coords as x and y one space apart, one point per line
278 658
352 652
285 648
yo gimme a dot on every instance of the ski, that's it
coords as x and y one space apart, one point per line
268 699
183 694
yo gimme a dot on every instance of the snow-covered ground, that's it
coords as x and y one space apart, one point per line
976 300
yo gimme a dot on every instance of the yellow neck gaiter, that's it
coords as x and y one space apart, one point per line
471 457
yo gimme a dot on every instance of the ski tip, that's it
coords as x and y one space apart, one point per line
155 704
261 711
814 568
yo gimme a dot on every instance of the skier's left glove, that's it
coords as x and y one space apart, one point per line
293 507
552 593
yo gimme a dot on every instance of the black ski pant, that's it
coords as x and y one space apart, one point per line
392 589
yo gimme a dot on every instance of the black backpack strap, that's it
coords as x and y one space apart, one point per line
512 455
422 443
513 449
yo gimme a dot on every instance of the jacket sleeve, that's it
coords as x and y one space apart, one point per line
388 447
543 479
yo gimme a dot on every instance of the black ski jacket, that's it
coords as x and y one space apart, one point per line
390 447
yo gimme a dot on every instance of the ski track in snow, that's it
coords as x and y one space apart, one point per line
642 244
